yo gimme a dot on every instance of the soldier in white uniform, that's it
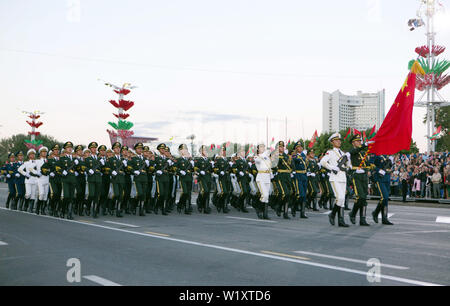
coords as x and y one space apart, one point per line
264 165
42 181
28 169
333 160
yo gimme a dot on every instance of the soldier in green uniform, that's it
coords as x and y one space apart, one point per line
105 179
284 180
222 169
172 189
67 164
241 170
204 169
94 178
162 179
55 180
312 174
139 165
127 180
184 170
80 186
149 203
117 165
360 180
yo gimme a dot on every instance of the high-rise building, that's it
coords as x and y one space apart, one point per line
362 111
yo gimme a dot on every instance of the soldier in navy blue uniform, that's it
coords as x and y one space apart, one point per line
301 179
9 171
382 176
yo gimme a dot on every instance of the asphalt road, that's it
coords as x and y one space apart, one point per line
234 249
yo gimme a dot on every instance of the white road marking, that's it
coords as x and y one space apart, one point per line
425 232
443 219
124 224
212 246
100 280
350 259
259 220
3 243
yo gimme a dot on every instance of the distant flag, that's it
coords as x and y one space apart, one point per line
272 143
171 138
372 132
218 147
348 133
436 134
313 140
227 144
364 136
356 132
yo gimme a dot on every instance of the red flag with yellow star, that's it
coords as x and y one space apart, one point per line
395 132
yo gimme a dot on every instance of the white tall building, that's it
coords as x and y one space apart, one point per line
362 111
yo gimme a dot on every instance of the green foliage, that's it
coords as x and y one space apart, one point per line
443 119
17 143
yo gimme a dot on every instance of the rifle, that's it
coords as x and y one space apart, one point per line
342 164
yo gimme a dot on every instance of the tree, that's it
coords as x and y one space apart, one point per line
16 143
443 119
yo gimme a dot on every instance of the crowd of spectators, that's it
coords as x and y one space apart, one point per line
419 175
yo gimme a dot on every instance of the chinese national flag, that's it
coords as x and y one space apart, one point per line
395 132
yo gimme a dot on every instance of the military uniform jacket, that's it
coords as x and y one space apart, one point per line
330 160
263 165
383 163
222 165
203 164
162 164
115 163
284 167
81 168
300 164
67 164
312 169
184 164
11 170
42 172
92 163
241 165
51 166
356 157
137 163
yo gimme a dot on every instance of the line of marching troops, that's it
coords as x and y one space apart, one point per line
96 180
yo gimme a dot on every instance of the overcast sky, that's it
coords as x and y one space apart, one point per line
211 68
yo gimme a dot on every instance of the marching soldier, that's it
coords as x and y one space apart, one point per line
19 182
148 205
117 165
203 168
42 180
67 164
80 177
360 181
10 169
94 179
222 169
337 162
127 180
139 166
54 179
105 178
263 164
284 182
28 170
162 163
171 197
184 169
300 165
241 170
382 175
312 173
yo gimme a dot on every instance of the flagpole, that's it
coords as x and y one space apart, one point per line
267 132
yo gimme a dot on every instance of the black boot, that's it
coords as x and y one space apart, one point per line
325 203
69 209
332 215
302 212
38 207
242 206
332 204
95 209
353 212
164 208
141 209
376 212
119 209
14 205
294 208
43 207
341 220
259 211
8 199
362 216
266 212
21 203
285 214
346 203
207 210
315 204
384 216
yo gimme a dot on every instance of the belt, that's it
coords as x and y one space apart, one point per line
266 171
362 168
71 171
301 172
284 171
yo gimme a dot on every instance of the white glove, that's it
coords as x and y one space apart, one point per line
222 173
292 176
125 163
308 174
192 163
183 172
359 171
159 172
231 164
249 164
241 173
147 162
39 173
170 162
28 177
76 173
313 174
64 172
114 173
335 168
136 172
102 161
17 175
382 172
329 174
212 164
286 151
8 176
202 172
91 171
348 155
76 162
52 174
